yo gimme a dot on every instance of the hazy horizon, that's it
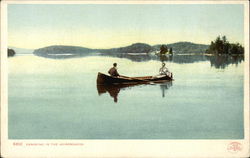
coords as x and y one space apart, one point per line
107 48
102 26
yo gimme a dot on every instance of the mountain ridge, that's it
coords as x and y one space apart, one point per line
61 50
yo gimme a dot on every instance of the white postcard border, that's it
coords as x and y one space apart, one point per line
119 148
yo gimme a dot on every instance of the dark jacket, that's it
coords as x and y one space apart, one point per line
113 72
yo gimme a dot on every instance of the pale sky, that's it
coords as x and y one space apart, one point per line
108 25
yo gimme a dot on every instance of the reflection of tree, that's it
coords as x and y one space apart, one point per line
217 61
222 61
180 59
183 59
132 56
165 57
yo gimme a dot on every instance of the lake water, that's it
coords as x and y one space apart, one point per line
59 99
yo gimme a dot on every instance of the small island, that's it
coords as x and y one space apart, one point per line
164 50
11 52
220 46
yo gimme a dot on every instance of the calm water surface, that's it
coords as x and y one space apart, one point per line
59 99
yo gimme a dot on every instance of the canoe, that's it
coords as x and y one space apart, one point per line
103 79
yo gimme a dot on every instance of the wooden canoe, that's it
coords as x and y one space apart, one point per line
103 79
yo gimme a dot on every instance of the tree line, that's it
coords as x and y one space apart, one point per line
164 49
221 46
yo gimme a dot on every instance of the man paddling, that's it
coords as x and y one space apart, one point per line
113 71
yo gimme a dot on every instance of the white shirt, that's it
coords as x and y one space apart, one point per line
163 70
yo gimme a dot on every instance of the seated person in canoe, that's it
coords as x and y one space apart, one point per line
164 70
113 71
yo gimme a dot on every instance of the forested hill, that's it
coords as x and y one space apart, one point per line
178 48
185 47
60 51
134 48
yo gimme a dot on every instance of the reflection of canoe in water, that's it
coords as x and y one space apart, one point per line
114 89
105 79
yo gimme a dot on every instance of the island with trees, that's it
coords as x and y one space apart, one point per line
221 52
165 50
221 46
11 52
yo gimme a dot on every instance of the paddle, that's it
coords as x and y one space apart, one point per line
132 78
